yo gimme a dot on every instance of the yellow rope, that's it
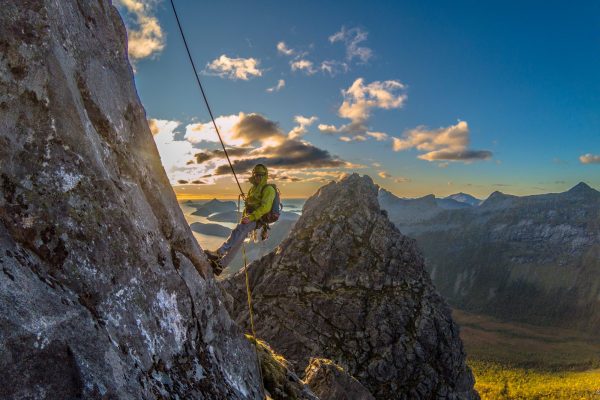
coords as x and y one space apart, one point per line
251 312
238 184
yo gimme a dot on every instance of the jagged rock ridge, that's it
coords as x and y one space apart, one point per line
104 293
348 286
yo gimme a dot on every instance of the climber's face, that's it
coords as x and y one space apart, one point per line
256 178
258 174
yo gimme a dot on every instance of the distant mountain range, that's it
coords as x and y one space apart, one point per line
531 258
213 206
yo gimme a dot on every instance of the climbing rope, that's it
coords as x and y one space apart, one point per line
241 196
187 49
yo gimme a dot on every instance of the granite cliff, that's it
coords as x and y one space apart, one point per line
104 293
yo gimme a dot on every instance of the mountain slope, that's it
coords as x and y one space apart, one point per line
104 293
532 259
347 286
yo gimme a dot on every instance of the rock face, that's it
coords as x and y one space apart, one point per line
281 382
346 285
104 293
328 381
514 257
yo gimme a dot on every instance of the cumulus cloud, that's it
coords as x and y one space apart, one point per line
209 155
196 156
234 68
384 174
590 159
174 152
153 125
401 179
283 49
303 65
444 144
237 130
379 136
352 38
301 129
289 154
355 138
280 85
360 100
145 35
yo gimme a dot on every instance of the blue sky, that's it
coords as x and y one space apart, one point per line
490 95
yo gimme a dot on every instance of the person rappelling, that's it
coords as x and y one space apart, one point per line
262 206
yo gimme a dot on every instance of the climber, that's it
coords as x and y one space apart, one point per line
262 206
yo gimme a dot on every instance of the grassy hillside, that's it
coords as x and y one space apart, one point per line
496 381
521 361
526 346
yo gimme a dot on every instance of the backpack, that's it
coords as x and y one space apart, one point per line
273 214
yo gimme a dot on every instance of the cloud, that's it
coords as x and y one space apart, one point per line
237 130
289 154
174 153
355 138
444 144
401 179
153 125
300 129
352 38
196 156
590 159
209 155
379 136
303 65
280 85
234 68
333 67
359 102
145 35
283 49
384 174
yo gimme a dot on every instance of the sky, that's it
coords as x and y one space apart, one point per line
425 97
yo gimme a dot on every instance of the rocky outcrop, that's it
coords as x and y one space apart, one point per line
329 381
512 257
346 285
104 293
280 381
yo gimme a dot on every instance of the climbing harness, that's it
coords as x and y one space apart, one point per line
241 196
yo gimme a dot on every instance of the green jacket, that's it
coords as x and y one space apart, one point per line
259 201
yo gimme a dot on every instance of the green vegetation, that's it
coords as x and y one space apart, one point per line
279 381
527 346
497 381
521 361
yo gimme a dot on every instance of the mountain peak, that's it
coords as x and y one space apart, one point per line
466 198
344 278
582 187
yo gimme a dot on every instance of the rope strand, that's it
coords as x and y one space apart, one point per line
187 49
241 196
